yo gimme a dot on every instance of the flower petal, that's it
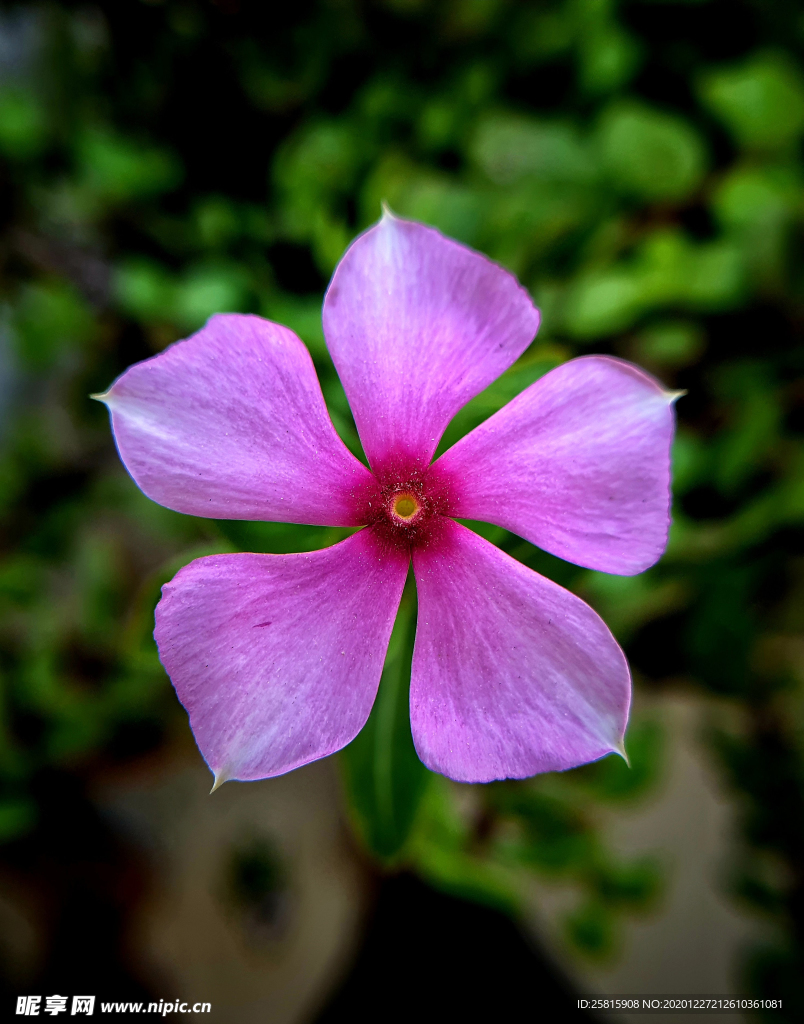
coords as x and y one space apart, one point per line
277 658
417 325
579 464
512 675
231 424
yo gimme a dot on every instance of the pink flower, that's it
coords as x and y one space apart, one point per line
277 658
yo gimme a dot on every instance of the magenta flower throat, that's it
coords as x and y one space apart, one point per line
277 658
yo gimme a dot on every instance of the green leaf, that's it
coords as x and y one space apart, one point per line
17 816
604 302
670 343
147 291
384 778
753 198
423 194
443 849
452 208
757 206
51 319
715 276
540 35
217 221
754 424
667 269
208 289
302 315
508 147
144 289
632 886
649 154
591 930
608 58
116 169
761 101
23 127
316 161
556 839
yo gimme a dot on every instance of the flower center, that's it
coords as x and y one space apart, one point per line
405 503
405 507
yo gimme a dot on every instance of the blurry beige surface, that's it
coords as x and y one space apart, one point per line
693 941
280 967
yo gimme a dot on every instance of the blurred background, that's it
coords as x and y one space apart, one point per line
638 164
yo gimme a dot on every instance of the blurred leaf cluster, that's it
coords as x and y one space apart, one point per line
637 163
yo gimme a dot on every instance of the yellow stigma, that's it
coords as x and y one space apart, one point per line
406 506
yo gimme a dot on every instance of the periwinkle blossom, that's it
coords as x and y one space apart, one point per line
277 658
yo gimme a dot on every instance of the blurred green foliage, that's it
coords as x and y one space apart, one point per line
637 164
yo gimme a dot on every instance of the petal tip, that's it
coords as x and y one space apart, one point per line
101 396
387 213
619 748
221 776
673 396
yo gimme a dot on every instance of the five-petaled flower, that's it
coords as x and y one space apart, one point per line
277 658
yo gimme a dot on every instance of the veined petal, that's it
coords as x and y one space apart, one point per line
579 464
231 424
512 675
277 658
417 325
